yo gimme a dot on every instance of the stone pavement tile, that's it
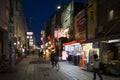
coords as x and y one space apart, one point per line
78 74
33 68
27 70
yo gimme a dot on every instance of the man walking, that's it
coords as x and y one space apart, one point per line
52 56
96 67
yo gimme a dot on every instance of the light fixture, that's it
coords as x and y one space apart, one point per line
58 7
29 33
27 37
18 42
113 41
14 43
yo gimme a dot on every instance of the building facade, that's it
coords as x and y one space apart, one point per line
19 27
103 33
4 27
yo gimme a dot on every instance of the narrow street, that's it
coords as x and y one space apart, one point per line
32 68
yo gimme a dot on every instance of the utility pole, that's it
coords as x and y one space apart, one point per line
11 37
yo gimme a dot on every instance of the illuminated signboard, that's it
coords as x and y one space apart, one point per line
29 33
56 34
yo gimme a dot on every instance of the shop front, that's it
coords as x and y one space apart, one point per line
88 51
73 51
108 50
110 55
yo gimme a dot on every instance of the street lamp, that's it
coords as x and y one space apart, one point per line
58 7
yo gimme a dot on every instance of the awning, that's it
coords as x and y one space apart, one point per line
106 38
73 42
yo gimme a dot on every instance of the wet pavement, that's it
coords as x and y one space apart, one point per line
33 68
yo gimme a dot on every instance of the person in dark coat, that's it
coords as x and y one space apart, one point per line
41 53
33 52
52 57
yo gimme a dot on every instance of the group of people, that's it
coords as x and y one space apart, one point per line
96 63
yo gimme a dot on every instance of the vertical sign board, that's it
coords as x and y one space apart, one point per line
80 25
92 23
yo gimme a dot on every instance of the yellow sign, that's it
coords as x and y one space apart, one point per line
92 11
86 48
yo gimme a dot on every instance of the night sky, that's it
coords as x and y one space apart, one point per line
40 11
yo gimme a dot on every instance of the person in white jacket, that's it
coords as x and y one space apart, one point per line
96 67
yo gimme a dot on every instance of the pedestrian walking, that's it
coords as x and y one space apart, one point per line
40 54
33 52
96 67
52 57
